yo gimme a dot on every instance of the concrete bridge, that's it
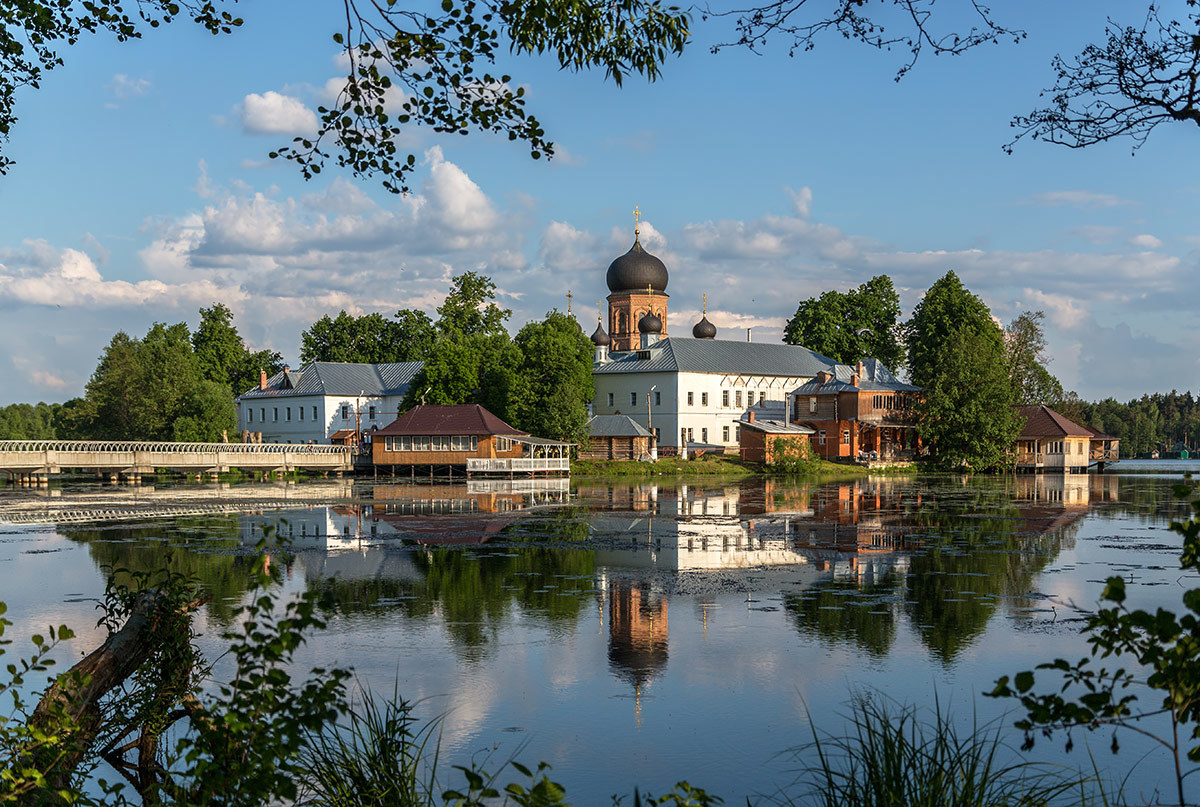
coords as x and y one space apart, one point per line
33 461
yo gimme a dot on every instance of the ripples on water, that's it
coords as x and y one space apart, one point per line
636 634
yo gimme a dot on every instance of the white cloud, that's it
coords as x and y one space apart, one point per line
1064 311
1076 198
801 201
1146 241
274 113
124 87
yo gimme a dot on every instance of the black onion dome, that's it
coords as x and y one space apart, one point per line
650 324
704 329
636 270
600 338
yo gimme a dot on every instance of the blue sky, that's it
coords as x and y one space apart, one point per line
142 191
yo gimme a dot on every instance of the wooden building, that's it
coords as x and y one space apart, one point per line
466 438
1052 442
762 429
618 437
859 413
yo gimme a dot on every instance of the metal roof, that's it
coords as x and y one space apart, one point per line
616 426
680 355
340 378
776 427
876 377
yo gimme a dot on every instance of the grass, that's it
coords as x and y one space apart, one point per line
891 754
707 465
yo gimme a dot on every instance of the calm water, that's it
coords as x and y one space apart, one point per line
639 634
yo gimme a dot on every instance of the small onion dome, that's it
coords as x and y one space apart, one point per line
650 324
704 329
600 338
636 270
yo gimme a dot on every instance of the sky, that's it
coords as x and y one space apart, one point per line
143 191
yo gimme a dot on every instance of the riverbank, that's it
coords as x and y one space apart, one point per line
708 465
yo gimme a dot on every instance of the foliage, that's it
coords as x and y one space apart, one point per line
1025 355
32 32
1162 651
792 457
22 421
894 754
1152 421
853 325
555 379
956 353
469 308
223 357
370 338
1141 77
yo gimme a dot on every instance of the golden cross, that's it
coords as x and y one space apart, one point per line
599 311
637 220
569 298
650 289
705 304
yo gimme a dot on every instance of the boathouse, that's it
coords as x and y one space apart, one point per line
462 439
1050 441
618 437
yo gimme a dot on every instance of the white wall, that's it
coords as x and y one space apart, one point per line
277 428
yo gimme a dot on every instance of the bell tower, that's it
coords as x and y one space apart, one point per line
637 282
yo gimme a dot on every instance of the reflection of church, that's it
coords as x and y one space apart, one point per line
637 634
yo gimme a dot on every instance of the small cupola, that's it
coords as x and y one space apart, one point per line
704 329
601 340
650 327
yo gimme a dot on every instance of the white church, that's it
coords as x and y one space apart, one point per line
690 392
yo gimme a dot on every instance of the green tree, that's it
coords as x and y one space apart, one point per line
848 326
555 375
413 335
222 356
370 338
22 421
956 353
470 307
1025 354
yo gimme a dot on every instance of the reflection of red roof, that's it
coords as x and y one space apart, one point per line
1042 421
456 419
1099 435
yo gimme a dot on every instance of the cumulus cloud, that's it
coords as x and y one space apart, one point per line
275 113
1146 241
123 87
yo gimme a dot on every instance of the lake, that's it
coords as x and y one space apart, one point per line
640 634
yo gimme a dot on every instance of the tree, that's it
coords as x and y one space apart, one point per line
555 376
222 356
1025 354
413 335
469 308
857 324
370 338
956 353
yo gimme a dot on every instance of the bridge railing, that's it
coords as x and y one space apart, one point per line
176 448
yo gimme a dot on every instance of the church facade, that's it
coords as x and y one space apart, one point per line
691 392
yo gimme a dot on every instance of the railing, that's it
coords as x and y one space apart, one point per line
1031 458
1105 455
174 448
481 465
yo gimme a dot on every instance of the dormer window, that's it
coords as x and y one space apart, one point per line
643 355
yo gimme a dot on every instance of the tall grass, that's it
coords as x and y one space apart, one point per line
382 756
893 755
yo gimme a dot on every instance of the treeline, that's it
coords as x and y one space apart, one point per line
540 380
22 421
1159 421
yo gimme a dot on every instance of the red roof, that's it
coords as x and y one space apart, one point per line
1099 435
456 419
1042 421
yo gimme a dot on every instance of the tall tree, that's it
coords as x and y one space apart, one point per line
470 307
848 326
370 338
222 356
956 353
556 378
1025 354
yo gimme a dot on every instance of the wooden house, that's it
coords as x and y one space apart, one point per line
466 438
1052 442
762 429
618 437
859 413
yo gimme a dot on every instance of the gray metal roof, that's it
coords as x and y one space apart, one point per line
679 355
776 427
876 377
616 426
771 417
340 378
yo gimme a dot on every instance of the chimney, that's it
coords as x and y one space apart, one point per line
860 368
854 379
748 339
262 379
751 416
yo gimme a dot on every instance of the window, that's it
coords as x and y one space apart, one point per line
289 414
657 398
821 437
724 434
301 412
387 444
250 413
345 412
275 414
690 398
441 442
371 414
504 443
812 406
690 437
724 397
262 414
420 443
704 435
315 413
737 433
633 399
750 398
845 437
737 399
703 399
610 399
402 444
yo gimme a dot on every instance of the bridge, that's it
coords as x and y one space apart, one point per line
33 461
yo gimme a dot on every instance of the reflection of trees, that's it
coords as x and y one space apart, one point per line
471 593
205 549
840 612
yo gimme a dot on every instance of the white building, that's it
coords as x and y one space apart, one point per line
323 398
